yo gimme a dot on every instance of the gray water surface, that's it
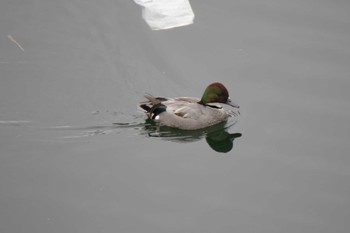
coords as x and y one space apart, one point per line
76 155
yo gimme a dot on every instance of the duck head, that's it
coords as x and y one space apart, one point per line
216 93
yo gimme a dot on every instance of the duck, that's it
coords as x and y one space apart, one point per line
189 113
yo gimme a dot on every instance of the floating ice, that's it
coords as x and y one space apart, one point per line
165 14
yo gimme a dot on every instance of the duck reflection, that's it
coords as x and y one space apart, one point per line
216 136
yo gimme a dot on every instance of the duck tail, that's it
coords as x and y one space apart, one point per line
153 106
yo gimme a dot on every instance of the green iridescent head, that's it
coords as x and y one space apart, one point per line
216 93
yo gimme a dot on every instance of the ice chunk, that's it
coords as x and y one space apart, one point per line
165 14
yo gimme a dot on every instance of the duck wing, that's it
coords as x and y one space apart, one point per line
184 108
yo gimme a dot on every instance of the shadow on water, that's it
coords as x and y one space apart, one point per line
216 136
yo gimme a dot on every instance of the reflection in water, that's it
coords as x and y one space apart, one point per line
216 136
221 140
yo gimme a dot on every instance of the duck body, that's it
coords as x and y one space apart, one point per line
187 113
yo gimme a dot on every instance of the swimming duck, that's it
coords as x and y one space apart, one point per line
189 113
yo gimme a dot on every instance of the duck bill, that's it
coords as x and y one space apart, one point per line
229 102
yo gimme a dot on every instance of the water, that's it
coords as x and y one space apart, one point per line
77 156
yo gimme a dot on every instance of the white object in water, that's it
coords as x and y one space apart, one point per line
165 14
